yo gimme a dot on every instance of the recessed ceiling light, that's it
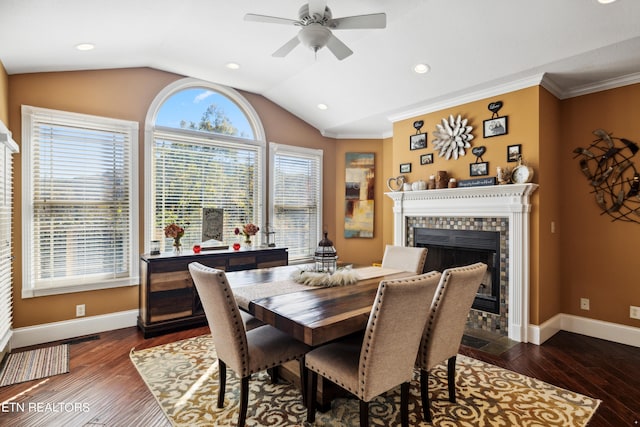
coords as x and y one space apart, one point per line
605 1
233 66
421 68
85 46
323 106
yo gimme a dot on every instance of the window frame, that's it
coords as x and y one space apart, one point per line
150 132
29 113
296 151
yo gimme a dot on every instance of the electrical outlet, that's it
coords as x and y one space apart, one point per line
584 303
634 312
79 310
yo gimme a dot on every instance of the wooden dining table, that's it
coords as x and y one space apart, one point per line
314 315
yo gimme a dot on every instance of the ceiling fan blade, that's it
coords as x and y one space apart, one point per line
339 49
317 7
375 20
268 19
286 48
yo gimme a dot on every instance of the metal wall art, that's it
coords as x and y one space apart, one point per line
607 164
452 137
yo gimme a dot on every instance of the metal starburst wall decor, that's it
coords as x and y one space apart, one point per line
452 137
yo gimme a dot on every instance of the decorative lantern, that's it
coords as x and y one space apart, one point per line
325 257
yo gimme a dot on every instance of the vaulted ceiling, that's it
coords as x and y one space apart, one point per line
472 47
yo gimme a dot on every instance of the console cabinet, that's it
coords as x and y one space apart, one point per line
168 298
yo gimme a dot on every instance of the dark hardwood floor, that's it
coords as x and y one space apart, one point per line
108 391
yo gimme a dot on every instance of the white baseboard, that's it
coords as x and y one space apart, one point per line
32 335
615 332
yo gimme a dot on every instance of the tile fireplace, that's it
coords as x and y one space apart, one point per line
503 212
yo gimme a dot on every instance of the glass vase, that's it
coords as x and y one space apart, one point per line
177 246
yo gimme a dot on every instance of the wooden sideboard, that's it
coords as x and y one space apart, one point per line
169 300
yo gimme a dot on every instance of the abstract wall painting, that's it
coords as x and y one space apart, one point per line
359 195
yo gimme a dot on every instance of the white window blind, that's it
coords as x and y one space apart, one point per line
296 198
81 193
192 170
7 148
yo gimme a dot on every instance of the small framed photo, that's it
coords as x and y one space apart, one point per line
495 127
418 141
514 152
426 159
479 169
405 167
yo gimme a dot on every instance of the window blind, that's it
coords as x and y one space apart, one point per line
191 172
297 199
7 148
82 193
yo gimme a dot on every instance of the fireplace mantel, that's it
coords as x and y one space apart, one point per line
509 201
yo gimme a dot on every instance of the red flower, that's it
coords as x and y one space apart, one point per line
173 230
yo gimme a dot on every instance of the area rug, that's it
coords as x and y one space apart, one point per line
183 377
35 364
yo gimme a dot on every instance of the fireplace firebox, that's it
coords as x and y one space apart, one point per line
454 248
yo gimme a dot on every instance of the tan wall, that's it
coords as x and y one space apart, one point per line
359 250
123 94
4 95
546 303
599 257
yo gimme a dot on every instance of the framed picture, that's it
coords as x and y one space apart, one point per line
479 169
514 152
418 141
495 127
405 167
426 159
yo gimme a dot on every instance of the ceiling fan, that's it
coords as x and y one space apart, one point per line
316 22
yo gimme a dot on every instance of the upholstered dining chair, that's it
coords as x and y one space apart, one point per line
445 327
246 352
405 258
384 358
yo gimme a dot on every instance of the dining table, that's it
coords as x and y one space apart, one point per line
314 314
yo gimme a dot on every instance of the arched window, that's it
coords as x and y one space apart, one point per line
204 149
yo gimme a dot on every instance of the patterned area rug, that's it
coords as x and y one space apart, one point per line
183 378
35 364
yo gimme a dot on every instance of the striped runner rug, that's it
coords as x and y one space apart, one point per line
34 364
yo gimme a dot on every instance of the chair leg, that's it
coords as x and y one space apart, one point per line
404 404
222 377
364 413
312 384
303 381
273 374
244 400
424 392
451 378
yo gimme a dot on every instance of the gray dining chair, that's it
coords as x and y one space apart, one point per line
384 357
246 352
444 329
405 258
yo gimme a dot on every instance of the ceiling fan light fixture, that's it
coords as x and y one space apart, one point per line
314 36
